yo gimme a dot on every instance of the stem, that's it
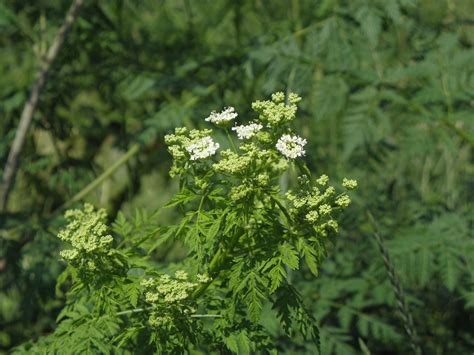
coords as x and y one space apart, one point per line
131 152
106 174
29 109
200 204
282 208
138 310
215 266
403 309
216 262
303 167
205 316
461 133
231 141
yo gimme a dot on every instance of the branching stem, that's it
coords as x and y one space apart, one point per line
215 266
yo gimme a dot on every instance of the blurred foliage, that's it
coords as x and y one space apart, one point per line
388 91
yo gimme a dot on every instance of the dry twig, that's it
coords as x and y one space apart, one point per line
11 166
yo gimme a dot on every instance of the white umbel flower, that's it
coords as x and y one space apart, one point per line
222 117
202 148
248 131
291 146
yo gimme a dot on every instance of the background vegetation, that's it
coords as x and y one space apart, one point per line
388 98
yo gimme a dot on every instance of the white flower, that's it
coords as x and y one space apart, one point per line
202 148
222 117
291 146
246 132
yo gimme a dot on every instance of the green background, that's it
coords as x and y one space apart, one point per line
388 99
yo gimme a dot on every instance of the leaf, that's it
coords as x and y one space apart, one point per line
104 349
363 326
134 88
425 266
238 343
449 268
121 225
469 299
66 312
289 256
235 277
311 258
254 296
363 347
345 317
182 197
316 336
129 333
169 234
277 274
371 23
231 343
243 343
134 292
61 280
211 234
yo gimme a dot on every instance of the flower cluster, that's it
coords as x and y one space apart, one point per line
323 180
264 149
169 296
247 131
291 146
202 148
315 208
191 145
87 234
232 163
343 201
275 112
223 117
240 192
166 289
349 184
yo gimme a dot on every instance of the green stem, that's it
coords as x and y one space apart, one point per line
139 310
101 178
215 266
231 141
136 310
205 316
461 133
282 208
216 262
402 304
303 168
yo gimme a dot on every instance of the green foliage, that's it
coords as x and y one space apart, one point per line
118 301
388 100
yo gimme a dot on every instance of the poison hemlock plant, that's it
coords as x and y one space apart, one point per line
243 233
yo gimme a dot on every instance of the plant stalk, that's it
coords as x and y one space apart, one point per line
106 174
11 167
214 267
403 309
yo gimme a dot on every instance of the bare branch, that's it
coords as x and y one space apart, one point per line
11 166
